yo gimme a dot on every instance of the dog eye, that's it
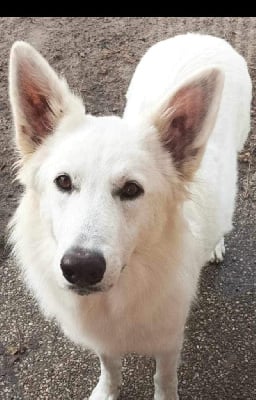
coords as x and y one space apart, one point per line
63 182
131 190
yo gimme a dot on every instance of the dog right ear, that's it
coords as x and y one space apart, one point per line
186 119
39 98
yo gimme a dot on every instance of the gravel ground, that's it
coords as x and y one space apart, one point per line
98 57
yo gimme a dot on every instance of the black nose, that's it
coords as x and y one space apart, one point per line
82 267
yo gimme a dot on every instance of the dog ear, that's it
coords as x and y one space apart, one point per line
39 98
186 119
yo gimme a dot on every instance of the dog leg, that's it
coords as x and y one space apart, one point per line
108 387
165 379
217 255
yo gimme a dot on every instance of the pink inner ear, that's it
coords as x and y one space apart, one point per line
184 120
34 95
190 105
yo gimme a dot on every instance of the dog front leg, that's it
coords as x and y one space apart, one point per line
165 379
108 387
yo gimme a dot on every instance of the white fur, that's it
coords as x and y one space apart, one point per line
164 237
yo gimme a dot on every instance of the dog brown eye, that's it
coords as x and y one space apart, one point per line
64 182
131 190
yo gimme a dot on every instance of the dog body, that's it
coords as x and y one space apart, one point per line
148 196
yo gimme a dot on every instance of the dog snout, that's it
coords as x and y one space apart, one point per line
83 268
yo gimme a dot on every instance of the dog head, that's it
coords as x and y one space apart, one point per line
104 187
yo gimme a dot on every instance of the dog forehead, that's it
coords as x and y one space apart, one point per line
101 141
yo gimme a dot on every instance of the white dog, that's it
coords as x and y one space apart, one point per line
120 214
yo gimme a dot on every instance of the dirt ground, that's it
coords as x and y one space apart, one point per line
98 57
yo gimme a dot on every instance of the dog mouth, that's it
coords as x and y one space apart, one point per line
86 291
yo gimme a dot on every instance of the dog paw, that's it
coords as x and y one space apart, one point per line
173 396
104 392
168 392
217 255
100 396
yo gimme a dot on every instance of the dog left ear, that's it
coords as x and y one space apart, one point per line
186 119
39 98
